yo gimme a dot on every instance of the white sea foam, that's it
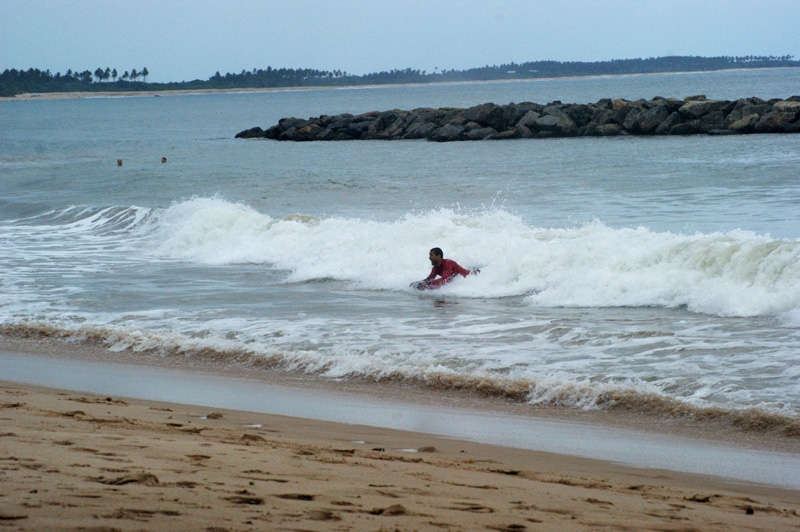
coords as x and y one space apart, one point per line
565 387
100 275
736 273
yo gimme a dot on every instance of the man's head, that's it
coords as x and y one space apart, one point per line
436 255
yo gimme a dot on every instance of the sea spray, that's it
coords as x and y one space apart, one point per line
736 273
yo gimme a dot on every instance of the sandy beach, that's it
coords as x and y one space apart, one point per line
150 93
78 461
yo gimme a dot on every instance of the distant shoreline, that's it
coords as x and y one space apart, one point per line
28 96
181 92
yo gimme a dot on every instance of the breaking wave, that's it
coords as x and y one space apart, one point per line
735 273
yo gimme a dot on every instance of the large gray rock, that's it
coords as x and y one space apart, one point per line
580 114
447 133
602 116
480 133
671 121
691 127
758 109
566 126
745 124
387 125
673 104
383 131
786 107
496 118
609 130
794 127
420 130
340 122
524 132
631 122
252 133
546 123
712 121
328 134
487 115
619 103
732 117
309 132
287 134
340 135
273 132
621 113
512 113
774 123
507 134
552 110
425 115
357 128
289 123
529 119
589 130
605 103
650 120
479 113
696 108
454 116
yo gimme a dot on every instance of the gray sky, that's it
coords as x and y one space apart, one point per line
181 40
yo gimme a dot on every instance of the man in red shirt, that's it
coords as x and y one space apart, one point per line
445 269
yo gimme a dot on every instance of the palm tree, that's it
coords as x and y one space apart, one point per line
134 74
145 73
125 76
114 74
98 74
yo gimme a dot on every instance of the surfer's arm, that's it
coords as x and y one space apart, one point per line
431 276
449 270
457 269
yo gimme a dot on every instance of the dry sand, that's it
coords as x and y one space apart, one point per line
75 461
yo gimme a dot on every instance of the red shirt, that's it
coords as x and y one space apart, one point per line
447 270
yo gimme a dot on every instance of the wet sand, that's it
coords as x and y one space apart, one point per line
77 461
71 460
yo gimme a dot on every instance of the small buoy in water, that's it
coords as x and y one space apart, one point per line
163 159
119 162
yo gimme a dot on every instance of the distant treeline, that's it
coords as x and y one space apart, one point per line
13 82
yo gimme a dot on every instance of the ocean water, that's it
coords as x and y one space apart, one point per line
655 275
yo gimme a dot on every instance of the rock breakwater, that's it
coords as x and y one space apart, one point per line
608 117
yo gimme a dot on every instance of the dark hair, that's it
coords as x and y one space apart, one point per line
438 252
